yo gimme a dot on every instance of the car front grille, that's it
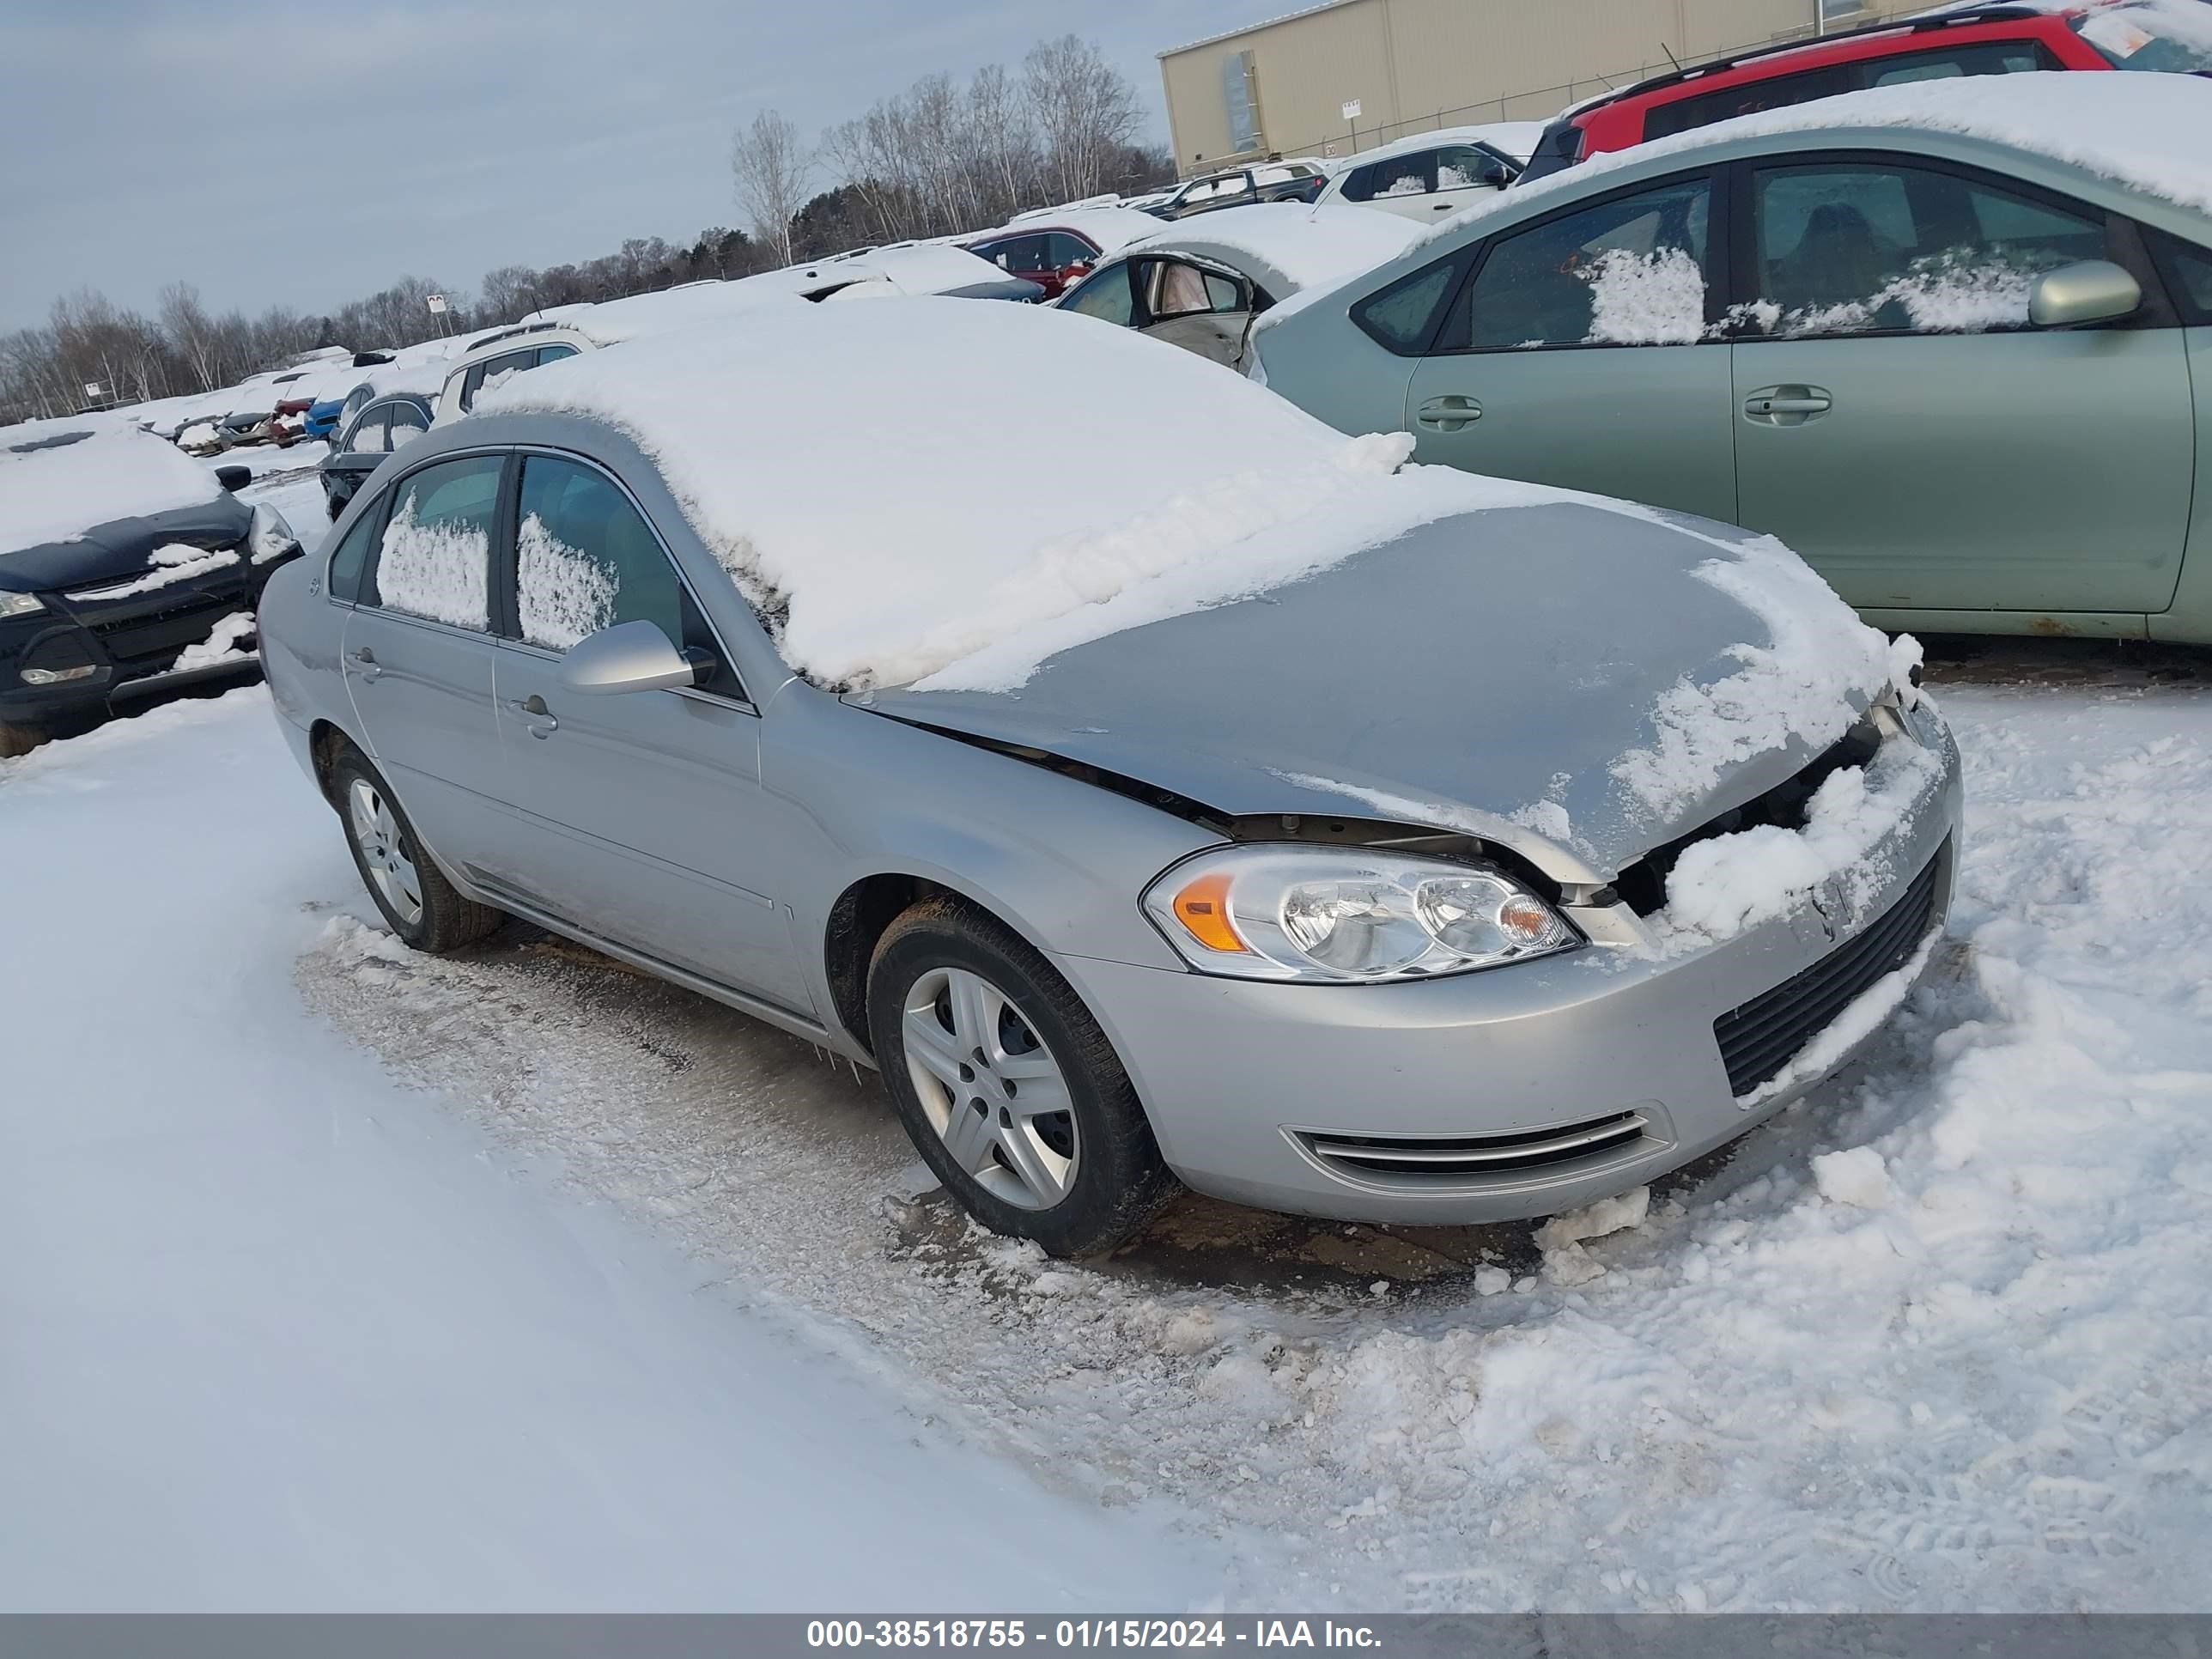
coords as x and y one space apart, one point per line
155 626
1434 1159
1761 1036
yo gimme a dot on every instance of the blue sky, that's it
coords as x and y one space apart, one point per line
308 151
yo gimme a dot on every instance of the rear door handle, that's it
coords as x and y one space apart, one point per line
364 663
539 718
1449 413
1787 406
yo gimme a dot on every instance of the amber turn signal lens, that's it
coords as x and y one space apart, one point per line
1203 908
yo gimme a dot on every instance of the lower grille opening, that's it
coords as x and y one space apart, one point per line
1458 1157
1761 1036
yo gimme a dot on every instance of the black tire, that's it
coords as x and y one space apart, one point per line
447 921
18 740
1118 1182
336 507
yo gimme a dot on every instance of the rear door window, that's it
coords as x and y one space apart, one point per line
1173 289
1628 271
408 424
1403 175
370 434
434 559
496 372
350 560
1106 296
553 353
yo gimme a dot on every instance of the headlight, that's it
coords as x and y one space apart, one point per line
1344 914
19 604
272 537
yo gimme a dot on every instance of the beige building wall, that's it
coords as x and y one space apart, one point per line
1415 65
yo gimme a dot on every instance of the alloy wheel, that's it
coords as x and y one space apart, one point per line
384 852
990 1087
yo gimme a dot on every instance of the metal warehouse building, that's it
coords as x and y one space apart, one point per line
1351 74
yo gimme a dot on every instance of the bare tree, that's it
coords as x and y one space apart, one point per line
770 166
1085 110
193 332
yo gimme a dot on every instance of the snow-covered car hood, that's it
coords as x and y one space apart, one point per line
1577 681
123 548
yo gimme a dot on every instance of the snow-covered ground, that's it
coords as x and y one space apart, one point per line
338 1276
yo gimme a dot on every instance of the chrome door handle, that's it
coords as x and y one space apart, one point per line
533 709
1449 413
1787 406
364 663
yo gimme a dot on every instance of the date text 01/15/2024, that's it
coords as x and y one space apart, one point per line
928 1634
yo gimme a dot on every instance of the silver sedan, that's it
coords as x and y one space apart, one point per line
1409 886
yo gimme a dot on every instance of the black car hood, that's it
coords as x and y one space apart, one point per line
111 552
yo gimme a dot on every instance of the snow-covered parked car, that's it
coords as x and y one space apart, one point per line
1372 842
1200 285
1430 174
125 569
1946 339
898 270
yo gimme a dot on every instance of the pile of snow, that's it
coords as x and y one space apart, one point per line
170 564
1286 248
59 492
1818 668
911 268
296 1335
979 531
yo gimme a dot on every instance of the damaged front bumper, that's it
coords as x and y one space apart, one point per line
1546 1085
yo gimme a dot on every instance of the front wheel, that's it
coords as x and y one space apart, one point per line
1007 1085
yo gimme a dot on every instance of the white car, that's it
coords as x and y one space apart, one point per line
1434 174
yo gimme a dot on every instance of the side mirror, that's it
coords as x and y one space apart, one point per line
631 656
1497 174
2087 291
234 478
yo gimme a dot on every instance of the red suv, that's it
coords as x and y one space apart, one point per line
1966 40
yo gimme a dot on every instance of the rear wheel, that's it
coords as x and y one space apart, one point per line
418 903
1007 1086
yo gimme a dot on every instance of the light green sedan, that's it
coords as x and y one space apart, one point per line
1951 342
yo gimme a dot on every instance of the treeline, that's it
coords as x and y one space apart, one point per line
944 157
185 347
941 158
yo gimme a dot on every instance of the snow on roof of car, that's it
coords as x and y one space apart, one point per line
911 268
967 542
53 489
1286 247
1110 228
1516 138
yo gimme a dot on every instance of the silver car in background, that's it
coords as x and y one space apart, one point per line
1332 838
